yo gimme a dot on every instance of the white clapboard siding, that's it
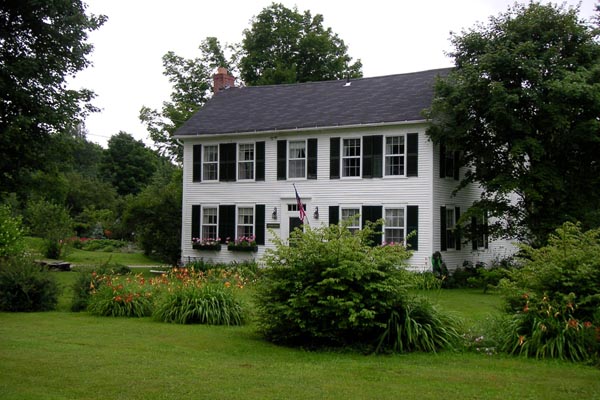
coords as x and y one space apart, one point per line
427 191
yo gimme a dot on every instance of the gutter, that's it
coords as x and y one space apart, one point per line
307 129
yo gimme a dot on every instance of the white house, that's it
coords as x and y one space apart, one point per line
348 147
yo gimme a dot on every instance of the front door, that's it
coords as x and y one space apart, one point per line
295 222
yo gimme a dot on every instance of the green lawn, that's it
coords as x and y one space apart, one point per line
62 355
83 257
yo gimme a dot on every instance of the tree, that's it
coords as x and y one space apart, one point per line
42 43
192 85
522 106
285 46
155 216
128 164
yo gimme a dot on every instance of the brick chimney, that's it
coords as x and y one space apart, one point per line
222 80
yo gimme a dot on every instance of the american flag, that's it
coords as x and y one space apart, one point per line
300 206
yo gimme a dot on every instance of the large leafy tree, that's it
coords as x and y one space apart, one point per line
286 46
192 83
128 164
522 107
42 43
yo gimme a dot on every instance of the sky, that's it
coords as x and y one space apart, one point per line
388 36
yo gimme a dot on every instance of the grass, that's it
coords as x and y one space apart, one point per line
61 355
84 257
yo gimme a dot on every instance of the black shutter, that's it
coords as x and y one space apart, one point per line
372 162
412 225
312 159
367 157
412 154
334 158
196 221
377 156
474 232
443 242
442 161
227 162
456 172
334 215
281 160
226 223
197 163
259 224
457 229
485 230
260 161
373 213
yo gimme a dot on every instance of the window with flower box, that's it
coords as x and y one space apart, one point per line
209 223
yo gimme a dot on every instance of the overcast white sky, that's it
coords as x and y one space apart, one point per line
389 36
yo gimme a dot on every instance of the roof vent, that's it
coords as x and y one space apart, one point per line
347 84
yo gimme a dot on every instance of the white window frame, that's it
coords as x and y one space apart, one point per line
399 227
402 155
354 157
204 224
210 162
481 236
358 221
239 224
303 159
239 162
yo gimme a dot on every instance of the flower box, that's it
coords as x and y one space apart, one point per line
242 247
207 247
243 243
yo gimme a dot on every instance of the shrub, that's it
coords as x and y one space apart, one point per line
88 279
121 296
545 328
11 233
329 287
209 303
425 280
415 325
555 297
51 222
26 286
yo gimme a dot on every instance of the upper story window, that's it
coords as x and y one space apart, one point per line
394 225
297 159
245 221
209 222
394 155
351 214
245 161
210 163
351 157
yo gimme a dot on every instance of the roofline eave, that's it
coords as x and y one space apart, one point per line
306 129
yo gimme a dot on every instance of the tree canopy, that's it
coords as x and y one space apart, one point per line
41 44
522 107
286 46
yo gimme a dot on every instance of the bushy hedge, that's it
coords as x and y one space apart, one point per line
554 300
26 286
331 287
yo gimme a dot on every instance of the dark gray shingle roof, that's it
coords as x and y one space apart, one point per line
392 98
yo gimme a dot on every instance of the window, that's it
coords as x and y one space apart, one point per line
209 222
479 226
351 157
394 155
350 214
210 163
450 228
246 161
394 225
297 159
449 163
245 221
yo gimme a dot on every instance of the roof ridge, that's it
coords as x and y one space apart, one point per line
362 78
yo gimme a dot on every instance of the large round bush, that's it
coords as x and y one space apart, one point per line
331 287
26 286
